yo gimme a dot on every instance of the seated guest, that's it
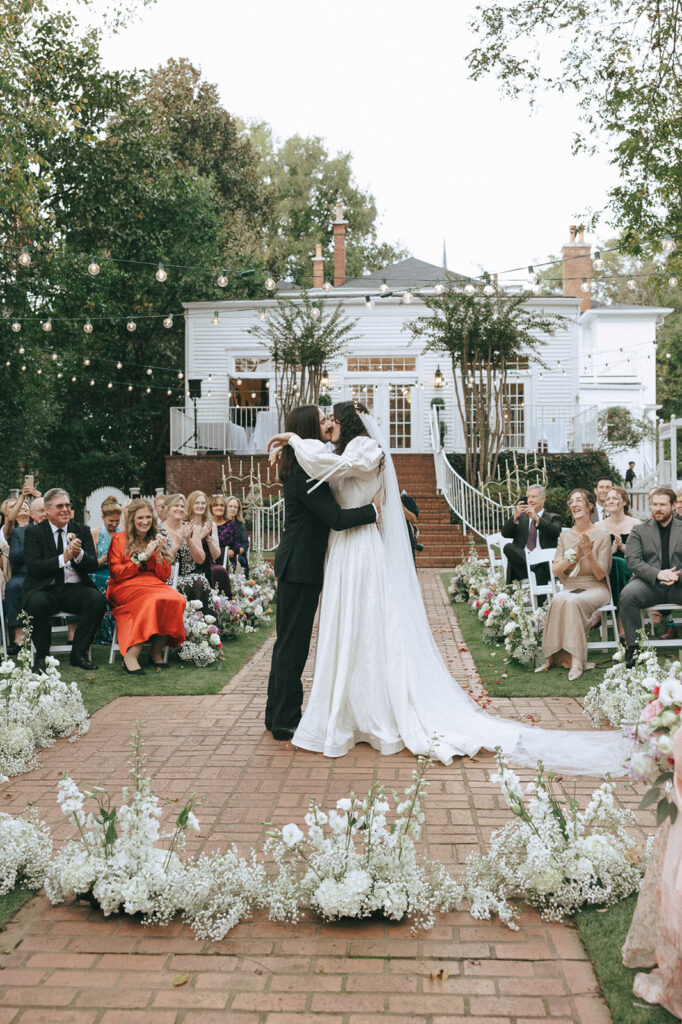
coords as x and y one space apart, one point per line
190 556
655 935
159 502
59 555
618 525
18 566
101 537
602 488
239 545
654 556
529 527
583 562
220 577
678 513
144 607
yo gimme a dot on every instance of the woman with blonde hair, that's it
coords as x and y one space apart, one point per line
144 607
181 537
618 525
111 522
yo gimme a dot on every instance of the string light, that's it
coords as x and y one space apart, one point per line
16 326
87 327
223 279
668 244
673 281
368 302
23 367
86 361
180 375
408 297
315 312
39 372
168 321
439 288
631 283
73 379
469 288
488 289
110 385
598 262
60 375
21 350
161 274
119 364
47 325
262 315
92 383
270 283
55 357
93 267
131 325
149 371
383 287
532 276
216 317
25 257
130 387
585 285
327 286
169 391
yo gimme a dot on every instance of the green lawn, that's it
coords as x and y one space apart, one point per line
603 934
10 904
181 677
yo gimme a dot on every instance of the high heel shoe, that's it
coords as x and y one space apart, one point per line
134 671
157 664
574 674
543 668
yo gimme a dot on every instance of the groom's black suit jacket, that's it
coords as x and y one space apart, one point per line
309 518
42 560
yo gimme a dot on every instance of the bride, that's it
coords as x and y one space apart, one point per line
379 677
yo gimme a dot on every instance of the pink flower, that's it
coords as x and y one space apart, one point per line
652 709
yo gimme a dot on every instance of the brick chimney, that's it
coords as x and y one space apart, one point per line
318 267
576 266
339 226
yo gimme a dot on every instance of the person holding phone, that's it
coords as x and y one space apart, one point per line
530 526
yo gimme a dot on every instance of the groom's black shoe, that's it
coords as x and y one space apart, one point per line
630 656
282 734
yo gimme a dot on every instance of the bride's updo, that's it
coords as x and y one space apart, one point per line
346 415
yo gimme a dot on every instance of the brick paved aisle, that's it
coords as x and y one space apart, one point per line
70 964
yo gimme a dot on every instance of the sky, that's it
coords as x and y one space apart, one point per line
445 158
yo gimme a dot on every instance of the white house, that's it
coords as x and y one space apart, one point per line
603 356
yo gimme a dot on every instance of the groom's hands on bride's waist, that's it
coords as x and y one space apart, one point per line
376 501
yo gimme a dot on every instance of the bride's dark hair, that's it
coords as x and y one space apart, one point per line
346 415
304 421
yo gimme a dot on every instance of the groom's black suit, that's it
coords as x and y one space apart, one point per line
299 568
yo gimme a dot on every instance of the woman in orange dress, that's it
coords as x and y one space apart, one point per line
144 607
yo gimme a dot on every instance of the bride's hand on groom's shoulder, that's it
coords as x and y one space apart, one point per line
279 439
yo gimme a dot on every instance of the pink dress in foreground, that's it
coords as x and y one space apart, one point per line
655 936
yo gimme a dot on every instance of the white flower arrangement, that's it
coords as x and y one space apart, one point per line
553 857
139 558
117 865
353 863
570 555
25 849
523 632
623 692
653 735
36 708
203 644
470 576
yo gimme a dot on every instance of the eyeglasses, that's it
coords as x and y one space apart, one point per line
60 506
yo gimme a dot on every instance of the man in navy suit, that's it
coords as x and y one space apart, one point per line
59 555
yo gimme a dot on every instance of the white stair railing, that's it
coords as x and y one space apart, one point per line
478 512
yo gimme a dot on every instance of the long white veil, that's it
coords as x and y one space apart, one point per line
428 701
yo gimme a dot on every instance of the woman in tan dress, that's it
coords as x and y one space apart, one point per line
582 564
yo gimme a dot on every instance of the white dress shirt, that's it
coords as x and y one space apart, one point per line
70 574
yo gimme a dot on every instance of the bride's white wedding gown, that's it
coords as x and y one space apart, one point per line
379 677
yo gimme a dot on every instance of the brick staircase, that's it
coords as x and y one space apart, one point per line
444 542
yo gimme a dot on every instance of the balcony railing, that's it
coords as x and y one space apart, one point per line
540 428
245 430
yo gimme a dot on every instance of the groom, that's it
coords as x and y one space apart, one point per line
299 568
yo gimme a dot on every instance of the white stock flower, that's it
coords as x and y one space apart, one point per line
291 834
192 821
344 804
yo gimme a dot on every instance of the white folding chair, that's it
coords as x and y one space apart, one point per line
2 624
496 557
608 617
175 572
60 624
657 641
540 556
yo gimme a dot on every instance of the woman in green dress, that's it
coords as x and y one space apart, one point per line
618 524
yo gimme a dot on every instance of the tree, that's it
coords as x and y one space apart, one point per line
622 58
307 182
620 431
302 340
483 338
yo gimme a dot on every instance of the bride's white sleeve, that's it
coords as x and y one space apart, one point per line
362 455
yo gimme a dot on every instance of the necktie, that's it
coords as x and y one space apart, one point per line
532 536
60 543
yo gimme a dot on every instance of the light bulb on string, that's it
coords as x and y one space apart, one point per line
8 363
253 394
119 364
23 367
439 288
92 383
148 391
667 355
16 326
534 288
408 297
585 285
488 289
169 391
631 283
60 375
532 276
39 372
149 371
21 350
673 281
168 321
368 301
93 267
469 288
668 244
262 315
383 287
223 279
131 325
54 357
180 375
239 382
327 286
73 379
216 317
598 262
110 385
161 274
47 325
86 361
130 387
87 327
210 376
315 312
270 283
25 257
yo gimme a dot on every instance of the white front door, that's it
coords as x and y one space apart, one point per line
392 407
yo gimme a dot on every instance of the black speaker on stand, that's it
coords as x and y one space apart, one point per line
195 395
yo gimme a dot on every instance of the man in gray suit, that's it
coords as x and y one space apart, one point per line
654 555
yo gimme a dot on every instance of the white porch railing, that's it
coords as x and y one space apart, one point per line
478 513
245 430
267 525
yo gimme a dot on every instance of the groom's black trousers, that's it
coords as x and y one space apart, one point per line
296 607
